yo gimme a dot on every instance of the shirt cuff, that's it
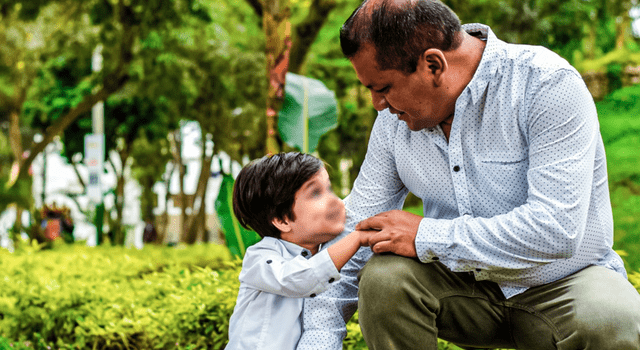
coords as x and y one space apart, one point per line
434 239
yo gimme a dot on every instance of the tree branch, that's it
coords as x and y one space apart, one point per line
307 31
256 5
62 123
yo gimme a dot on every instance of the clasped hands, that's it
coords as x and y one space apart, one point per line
391 231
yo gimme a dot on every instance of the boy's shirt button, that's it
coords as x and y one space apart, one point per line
269 261
304 253
312 295
331 280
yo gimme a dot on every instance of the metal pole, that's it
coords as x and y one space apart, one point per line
97 119
44 176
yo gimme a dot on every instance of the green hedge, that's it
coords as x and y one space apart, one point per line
77 297
118 298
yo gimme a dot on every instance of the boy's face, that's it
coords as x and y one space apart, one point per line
319 213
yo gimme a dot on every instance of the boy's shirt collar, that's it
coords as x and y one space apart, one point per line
292 248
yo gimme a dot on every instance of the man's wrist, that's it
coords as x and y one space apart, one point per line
432 239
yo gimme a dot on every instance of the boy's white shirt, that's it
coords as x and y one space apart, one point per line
276 276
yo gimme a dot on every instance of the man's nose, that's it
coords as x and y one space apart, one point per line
379 101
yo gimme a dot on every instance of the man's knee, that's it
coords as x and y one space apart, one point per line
607 316
610 325
385 275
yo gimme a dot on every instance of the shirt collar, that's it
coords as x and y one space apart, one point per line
490 62
295 249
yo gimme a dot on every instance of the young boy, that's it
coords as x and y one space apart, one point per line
287 199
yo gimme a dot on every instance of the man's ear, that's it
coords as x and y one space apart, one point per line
281 224
433 63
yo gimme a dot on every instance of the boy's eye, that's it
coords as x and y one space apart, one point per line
315 192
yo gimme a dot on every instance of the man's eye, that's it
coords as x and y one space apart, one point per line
383 90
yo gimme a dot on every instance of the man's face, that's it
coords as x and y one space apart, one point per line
319 213
415 97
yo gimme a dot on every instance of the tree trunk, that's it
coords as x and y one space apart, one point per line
305 32
163 221
119 233
278 46
177 156
15 139
115 225
193 225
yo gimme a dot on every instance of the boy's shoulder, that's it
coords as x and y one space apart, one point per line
270 246
265 244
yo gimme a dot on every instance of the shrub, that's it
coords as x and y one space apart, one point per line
75 297
113 297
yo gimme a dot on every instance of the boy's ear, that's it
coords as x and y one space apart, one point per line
281 224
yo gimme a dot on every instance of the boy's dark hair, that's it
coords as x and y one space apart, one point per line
265 189
400 31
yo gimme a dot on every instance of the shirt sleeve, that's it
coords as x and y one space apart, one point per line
563 133
299 277
376 189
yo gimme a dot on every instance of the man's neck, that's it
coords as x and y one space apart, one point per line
464 61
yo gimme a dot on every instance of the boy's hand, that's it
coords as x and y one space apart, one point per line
365 235
392 231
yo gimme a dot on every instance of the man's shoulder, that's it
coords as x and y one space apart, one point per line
534 59
520 56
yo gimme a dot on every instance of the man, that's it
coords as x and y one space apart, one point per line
502 144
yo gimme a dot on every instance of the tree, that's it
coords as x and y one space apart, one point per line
225 103
129 119
30 36
70 31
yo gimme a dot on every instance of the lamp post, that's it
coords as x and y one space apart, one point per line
94 152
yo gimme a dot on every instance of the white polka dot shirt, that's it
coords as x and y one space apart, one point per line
518 195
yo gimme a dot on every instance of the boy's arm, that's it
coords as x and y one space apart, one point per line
267 270
298 277
341 251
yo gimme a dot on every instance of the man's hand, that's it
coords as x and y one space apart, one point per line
392 231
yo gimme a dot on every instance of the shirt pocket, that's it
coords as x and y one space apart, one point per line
505 176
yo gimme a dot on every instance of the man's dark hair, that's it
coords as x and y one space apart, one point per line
400 31
265 189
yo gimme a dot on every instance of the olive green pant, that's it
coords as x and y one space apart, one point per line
405 304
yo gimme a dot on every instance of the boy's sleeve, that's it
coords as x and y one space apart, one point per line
295 278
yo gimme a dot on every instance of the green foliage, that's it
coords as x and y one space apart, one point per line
79 297
238 238
620 128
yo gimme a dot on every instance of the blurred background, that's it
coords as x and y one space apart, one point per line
121 115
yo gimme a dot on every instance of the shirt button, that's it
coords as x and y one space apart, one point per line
269 261
312 295
435 258
478 270
331 280
304 253
456 168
